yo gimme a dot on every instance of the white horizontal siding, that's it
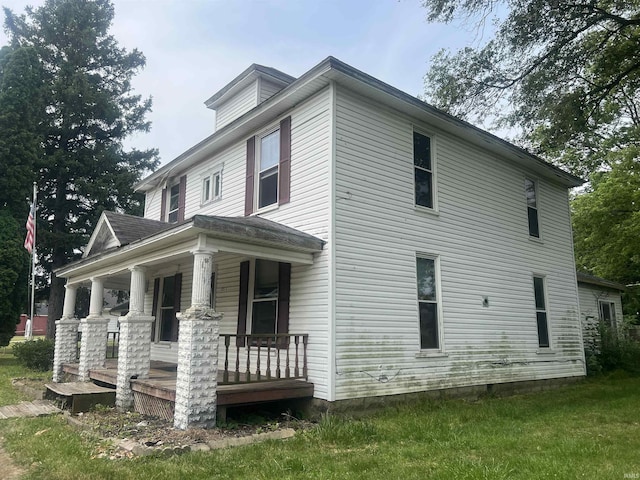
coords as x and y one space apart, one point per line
152 204
238 105
268 89
481 237
590 295
308 211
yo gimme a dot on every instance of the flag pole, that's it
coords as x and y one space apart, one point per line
29 326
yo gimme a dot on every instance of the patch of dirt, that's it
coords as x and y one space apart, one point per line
10 471
110 424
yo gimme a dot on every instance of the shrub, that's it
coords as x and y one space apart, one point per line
35 354
612 350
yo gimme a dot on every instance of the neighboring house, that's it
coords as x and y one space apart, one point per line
600 301
333 217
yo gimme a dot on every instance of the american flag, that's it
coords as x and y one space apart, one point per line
31 229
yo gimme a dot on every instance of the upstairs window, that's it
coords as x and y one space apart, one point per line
268 161
428 303
423 170
268 169
174 203
211 187
532 207
541 312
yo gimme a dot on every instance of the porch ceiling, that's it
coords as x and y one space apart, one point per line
251 236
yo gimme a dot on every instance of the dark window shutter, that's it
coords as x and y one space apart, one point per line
243 302
163 205
177 292
251 166
154 306
182 197
284 292
284 178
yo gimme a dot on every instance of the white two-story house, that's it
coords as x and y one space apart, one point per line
339 233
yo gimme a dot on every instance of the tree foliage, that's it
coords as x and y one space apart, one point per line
89 109
566 73
14 268
606 223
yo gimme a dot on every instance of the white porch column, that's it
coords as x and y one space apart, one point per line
134 349
197 380
66 334
93 347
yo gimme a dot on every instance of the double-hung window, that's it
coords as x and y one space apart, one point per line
428 303
264 312
174 203
423 170
211 187
607 313
532 207
541 311
268 162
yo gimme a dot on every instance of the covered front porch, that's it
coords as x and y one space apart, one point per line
173 361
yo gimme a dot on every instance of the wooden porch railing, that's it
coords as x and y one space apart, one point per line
259 358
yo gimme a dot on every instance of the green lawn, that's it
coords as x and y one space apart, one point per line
590 430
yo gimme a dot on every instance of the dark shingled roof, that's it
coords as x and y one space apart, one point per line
601 282
129 228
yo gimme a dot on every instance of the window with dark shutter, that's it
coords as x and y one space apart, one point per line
251 160
284 180
243 302
154 307
268 169
163 205
182 197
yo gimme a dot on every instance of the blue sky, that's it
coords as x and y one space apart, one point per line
194 47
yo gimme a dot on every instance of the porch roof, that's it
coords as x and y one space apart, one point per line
145 237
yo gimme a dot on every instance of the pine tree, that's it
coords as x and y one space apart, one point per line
90 109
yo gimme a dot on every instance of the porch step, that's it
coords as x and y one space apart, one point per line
80 396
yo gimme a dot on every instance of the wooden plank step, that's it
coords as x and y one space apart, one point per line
80 396
36 408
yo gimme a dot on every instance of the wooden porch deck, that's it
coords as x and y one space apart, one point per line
156 394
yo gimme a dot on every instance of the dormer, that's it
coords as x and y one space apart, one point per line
249 89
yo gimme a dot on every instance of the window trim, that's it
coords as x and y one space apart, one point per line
545 296
536 188
257 172
168 200
210 177
440 349
251 297
612 308
434 167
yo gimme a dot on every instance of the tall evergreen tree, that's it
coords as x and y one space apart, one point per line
14 270
90 110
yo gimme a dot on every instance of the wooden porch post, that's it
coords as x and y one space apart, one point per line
198 338
66 333
93 348
134 349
